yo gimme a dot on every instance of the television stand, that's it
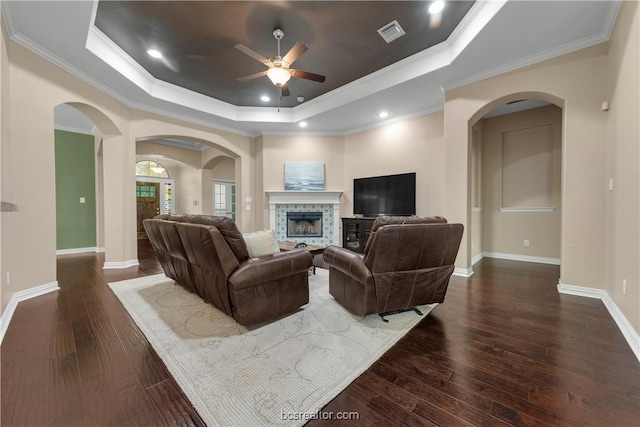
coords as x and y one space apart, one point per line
355 233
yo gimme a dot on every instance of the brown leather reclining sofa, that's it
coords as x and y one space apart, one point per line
208 256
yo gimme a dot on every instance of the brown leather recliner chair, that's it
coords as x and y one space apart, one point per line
407 262
208 256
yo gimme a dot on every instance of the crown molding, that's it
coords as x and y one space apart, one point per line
601 37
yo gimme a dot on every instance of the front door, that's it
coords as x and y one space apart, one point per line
148 203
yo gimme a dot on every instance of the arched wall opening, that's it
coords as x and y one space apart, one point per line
515 179
212 143
195 163
79 133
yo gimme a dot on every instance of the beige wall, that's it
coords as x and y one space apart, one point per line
260 199
505 232
414 145
623 164
225 169
4 139
275 150
189 190
31 96
576 81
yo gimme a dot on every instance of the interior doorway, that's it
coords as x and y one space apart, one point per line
224 198
515 173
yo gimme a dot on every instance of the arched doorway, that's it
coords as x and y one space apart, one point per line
515 175
79 130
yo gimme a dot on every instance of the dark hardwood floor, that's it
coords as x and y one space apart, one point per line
503 349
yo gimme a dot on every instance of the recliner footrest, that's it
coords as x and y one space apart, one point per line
389 313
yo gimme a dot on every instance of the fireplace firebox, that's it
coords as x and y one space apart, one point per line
304 224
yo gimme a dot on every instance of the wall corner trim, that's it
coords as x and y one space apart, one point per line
124 264
476 259
632 337
463 272
22 296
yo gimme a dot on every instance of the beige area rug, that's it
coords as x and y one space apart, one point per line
282 373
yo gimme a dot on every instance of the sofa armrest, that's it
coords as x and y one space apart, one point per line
254 271
347 262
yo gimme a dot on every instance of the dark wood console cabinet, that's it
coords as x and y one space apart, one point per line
355 233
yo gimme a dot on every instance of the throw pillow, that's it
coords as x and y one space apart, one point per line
261 243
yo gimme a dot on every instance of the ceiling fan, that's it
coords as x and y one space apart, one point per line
279 71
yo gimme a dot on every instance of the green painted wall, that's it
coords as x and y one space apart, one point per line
75 178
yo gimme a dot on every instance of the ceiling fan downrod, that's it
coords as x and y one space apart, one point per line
278 34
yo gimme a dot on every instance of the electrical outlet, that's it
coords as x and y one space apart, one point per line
526 242
624 286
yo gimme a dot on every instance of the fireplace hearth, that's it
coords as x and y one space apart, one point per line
304 224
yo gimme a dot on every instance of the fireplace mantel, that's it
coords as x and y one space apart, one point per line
303 199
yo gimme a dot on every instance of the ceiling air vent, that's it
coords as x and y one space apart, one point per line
391 31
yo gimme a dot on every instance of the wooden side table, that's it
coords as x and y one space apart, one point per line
290 246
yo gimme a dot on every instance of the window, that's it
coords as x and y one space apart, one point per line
224 199
151 168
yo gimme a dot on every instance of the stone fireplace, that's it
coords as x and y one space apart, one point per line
312 217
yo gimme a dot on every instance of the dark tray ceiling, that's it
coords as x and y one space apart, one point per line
198 39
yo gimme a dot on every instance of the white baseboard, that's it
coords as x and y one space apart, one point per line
476 258
22 296
463 272
125 264
77 250
630 334
526 258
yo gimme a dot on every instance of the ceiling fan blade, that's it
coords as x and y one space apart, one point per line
284 90
294 53
252 53
309 76
252 76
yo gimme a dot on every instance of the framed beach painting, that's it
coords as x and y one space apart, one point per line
304 176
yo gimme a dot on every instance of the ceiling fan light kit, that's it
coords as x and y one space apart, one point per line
278 75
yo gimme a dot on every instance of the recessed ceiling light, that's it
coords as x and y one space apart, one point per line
383 114
155 53
265 98
302 124
436 6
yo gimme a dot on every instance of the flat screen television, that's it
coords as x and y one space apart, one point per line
385 195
